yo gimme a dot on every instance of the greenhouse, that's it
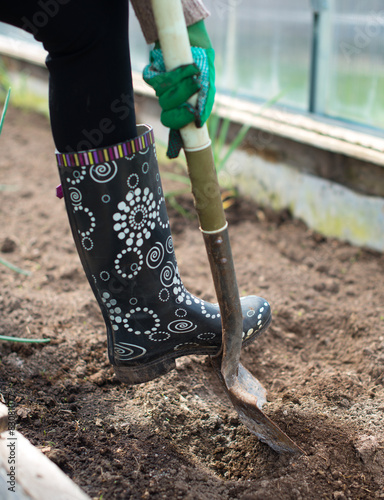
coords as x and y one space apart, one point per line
191 249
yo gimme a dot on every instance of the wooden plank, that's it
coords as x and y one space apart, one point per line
3 417
23 51
9 494
303 129
30 475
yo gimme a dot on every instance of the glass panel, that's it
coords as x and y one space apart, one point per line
355 83
262 48
258 54
138 45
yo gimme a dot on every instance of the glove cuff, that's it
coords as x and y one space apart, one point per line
198 36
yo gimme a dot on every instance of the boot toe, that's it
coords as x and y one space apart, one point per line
257 316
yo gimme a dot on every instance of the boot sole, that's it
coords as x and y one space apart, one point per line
145 373
132 375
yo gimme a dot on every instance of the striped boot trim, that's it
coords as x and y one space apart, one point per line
101 155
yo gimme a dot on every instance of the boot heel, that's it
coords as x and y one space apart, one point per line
140 374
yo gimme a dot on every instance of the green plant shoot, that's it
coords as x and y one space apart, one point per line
5 109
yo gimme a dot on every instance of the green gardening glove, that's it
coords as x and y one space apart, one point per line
175 87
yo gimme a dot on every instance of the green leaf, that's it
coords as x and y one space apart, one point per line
176 177
176 192
272 100
222 136
213 125
5 109
8 187
235 144
13 267
174 204
221 154
27 341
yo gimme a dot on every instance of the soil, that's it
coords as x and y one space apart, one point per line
321 360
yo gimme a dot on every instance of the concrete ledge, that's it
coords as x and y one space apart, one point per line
325 206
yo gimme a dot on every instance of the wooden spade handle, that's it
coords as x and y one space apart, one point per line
174 42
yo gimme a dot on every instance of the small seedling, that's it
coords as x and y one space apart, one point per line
5 109
26 341
13 267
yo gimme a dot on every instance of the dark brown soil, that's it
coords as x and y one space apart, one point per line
322 360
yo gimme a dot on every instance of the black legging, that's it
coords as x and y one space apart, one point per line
90 81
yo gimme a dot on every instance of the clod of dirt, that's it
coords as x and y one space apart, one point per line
371 452
8 245
366 447
59 457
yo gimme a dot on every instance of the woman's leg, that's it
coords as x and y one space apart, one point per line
90 88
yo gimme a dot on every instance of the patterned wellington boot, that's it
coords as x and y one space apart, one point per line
119 222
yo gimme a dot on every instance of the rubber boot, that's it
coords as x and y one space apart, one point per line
117 214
